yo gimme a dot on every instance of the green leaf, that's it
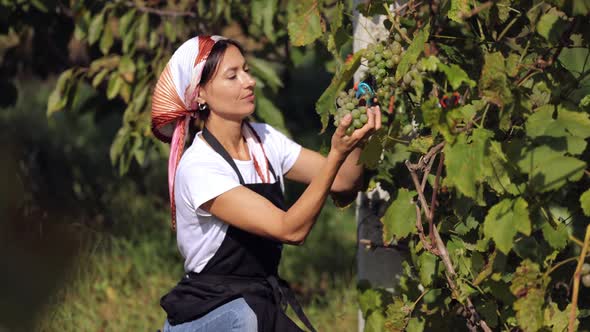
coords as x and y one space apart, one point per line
497 170
576 60
370 300
106 42
264 70
566 123
558 320
325 103
458 9
465 161
95 28
263 13
493 83
421 144
304 22
398 315
416 325
557 238
581 7
427 268
375 322
411 55
58 99
551 26
555 173
438 119
125 22
585 202
456 75
269 113
504 220
115 84
400 218
371 153
127 69
98 78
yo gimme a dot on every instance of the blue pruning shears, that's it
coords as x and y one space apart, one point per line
362 89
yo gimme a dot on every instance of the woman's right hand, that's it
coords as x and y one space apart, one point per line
343 144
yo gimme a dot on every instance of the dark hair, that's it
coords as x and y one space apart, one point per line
212 62
215 57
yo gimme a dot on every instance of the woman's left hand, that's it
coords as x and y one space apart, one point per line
343 144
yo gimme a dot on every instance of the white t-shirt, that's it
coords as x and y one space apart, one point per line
202 175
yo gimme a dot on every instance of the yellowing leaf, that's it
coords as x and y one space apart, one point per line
304 25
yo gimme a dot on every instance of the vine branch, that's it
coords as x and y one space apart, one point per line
436 245
577 275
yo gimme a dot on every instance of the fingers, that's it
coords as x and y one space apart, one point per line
344 124
370 126
377 117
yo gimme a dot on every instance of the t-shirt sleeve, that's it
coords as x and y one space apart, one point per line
199 182
286 149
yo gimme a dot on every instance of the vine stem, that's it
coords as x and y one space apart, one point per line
159 12
577 275
440 249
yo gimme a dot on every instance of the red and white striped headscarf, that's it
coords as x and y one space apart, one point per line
175 100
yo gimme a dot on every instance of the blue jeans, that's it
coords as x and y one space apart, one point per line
234 316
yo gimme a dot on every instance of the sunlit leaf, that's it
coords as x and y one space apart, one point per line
504 220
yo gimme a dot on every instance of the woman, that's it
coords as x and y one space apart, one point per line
226 191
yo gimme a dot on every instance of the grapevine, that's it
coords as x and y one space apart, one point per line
484 151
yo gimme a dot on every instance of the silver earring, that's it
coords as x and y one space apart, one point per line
202 106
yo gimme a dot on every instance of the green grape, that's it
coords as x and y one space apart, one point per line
373 71
363 118
340 101
369 54
389 63
396 47
397 37
585 269
586 281
349 106
381 65
420 66
355 113
404 31
362 110
336 123
349 130
396 59
378 48
342 94
382 72
355 101
372 63
357 124
407 78
387 54
378 57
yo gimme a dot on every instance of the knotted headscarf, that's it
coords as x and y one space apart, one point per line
175 100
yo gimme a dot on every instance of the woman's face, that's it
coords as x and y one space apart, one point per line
230 93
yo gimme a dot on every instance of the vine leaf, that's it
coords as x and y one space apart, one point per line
371 153
326 101
528 285
427 271
263 13
574 126
465 161
305 24
400 218
413 52
585 202
551 26
493 83
59 97
398 314
504 220
456 75
458 9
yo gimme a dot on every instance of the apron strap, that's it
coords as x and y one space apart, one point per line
211 140
282 292
214 143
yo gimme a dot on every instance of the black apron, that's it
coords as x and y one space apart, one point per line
246 265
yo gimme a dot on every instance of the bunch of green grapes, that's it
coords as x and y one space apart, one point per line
382 60
348 103
586 275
